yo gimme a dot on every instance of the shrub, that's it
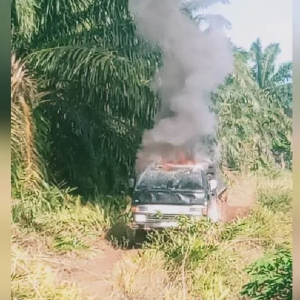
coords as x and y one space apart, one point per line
271 277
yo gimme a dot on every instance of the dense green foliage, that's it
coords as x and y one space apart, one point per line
254 129
97 72
271 277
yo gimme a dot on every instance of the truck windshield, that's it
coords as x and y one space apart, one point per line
169 197
175 180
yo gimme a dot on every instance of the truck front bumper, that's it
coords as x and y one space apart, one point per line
155 225
161 223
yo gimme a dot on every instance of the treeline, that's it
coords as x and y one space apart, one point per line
81 97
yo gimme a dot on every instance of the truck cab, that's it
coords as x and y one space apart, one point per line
161 194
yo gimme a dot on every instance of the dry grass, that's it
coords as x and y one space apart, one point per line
144 277
243 191
33 279
62 221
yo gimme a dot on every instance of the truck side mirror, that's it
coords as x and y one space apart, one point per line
131 183
213 184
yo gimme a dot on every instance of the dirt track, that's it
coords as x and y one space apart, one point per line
93 275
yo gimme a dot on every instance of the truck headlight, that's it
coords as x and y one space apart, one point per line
140 218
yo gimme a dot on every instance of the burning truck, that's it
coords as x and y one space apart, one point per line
162 192
195 61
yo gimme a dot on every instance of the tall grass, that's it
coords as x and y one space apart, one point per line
33 279
67 223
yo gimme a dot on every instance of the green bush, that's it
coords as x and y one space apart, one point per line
271 277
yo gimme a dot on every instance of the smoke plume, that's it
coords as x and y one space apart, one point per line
195 63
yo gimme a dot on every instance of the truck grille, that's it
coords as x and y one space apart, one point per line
164 217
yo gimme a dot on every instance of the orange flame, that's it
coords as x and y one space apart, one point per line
180 159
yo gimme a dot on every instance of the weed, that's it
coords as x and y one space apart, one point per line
271 277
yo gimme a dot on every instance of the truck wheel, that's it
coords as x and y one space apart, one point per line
214 210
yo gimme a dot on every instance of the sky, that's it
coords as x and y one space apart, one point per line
270 20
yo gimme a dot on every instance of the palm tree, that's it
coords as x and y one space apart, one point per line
98 71
253 128
193 9
27 166
268 76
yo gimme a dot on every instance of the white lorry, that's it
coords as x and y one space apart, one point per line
163 192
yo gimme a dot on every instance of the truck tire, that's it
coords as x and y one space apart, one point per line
132 239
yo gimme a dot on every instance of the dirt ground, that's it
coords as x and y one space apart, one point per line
93 275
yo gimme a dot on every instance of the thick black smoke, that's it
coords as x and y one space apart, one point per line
195 63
